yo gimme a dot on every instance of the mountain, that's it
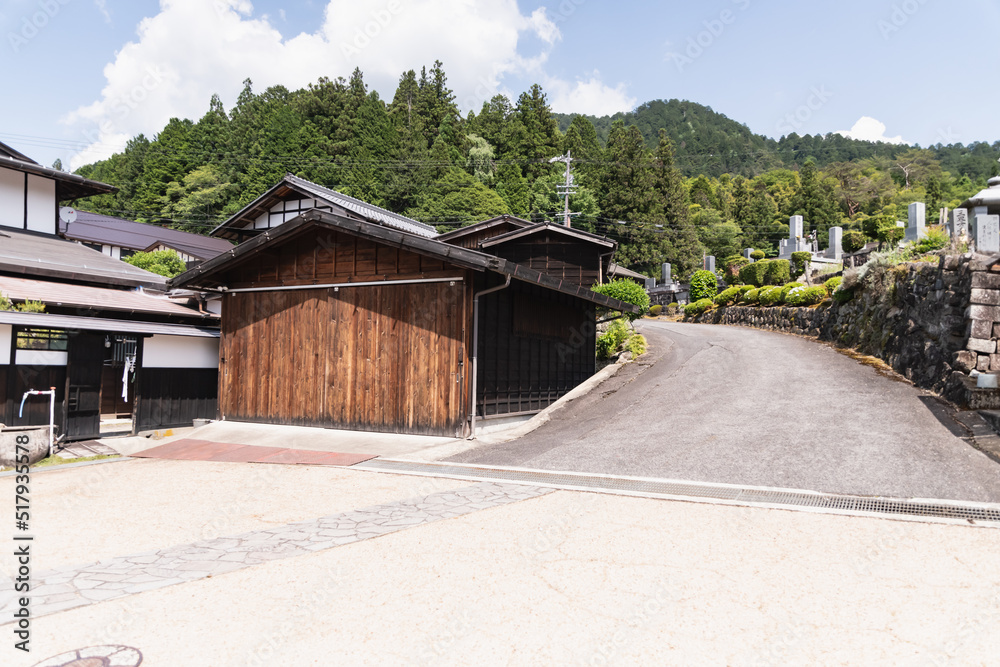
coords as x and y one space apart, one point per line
710 143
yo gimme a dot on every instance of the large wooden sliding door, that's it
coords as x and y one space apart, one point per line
387 358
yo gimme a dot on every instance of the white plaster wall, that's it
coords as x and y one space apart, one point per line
180 352
41 204
11 198
5 334
41 358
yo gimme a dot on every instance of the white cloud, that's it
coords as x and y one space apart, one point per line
192 49
590 96
870 129
102 6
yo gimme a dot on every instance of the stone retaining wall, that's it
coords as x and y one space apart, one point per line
932 322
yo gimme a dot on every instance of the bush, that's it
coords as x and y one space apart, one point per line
698 307
162 262
853 241
778 272
627 291
636 344
841 295
728 297
656 310
806 296
612 339
788 287
672 308
832 284
757 255
891 235
936 239
733 266
704 285
754 274
769 296
750 297
800 263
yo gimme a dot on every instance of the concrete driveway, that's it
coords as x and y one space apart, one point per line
741 406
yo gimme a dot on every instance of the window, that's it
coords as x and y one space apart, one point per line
95 246
42 339
125 252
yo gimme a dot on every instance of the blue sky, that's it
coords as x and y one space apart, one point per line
88 74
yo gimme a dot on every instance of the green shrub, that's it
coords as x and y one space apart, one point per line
788 287
704 285
853 241
627 291
778 272
750 297
800 263
891 235
841 295
754 274
672 308
698 307
23 307
162 262
806 296
636 344
832 284
656 310
757 255
612 339
936 239
728 297
769 296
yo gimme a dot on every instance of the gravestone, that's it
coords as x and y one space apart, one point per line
959 225
747 253
836 249
666 274
916 229
710 263
988 233
650 283
795 227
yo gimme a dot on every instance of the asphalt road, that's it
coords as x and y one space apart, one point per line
741 406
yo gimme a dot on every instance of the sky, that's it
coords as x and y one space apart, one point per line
81 77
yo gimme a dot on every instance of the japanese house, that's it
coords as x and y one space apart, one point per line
355 318
121 355
122 238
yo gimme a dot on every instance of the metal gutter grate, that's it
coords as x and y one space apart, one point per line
724 493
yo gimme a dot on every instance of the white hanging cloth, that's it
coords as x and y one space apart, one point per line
129 366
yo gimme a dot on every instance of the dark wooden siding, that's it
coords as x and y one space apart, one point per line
372 358
171 397
329 257
555 254
474 238
535 346
19 379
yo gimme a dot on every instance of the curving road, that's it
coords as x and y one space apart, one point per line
741 406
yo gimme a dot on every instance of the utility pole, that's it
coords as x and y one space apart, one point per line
569 188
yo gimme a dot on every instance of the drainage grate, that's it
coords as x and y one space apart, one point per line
727 493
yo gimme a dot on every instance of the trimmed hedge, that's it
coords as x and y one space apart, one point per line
800 262
778 272
832 284
754 274
728 297
698 307
852 241
807 296
656 310
704 285
750 297
627 291
757 255
769 296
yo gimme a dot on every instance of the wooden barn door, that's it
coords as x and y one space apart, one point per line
396 358
371 358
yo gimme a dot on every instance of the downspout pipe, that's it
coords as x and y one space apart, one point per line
475 347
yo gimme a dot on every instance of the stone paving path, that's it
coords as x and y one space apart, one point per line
77 586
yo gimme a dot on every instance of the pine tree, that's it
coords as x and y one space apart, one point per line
541 140
682 248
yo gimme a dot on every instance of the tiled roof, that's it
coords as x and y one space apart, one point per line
31 254
105 229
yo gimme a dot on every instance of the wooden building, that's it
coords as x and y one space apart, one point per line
471 236
335 321
115 347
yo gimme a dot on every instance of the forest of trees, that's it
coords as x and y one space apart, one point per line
671 181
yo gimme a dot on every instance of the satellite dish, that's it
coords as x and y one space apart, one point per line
67 214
